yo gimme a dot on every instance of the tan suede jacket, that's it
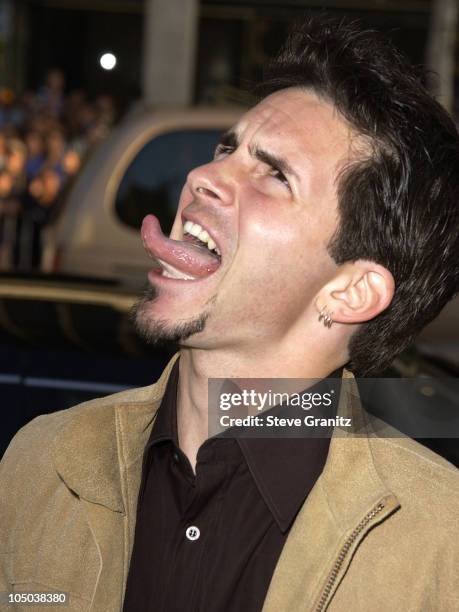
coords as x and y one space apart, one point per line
379 531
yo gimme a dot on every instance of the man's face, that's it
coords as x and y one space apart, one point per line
269 202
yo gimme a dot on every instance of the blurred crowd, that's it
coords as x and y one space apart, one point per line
45 137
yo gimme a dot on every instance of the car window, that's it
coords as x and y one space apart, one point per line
153 181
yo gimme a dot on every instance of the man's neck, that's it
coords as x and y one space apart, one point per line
197 366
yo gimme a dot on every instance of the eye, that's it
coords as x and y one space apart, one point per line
280 176
222 149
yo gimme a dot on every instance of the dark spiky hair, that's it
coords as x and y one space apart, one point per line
398 204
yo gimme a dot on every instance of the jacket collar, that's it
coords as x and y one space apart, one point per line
350 478
333 518
96 454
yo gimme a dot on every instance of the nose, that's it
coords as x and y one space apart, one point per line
210 183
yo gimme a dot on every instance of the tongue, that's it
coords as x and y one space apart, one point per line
186 257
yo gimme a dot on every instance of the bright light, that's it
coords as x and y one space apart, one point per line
108 61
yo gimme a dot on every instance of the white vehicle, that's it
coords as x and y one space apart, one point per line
139 169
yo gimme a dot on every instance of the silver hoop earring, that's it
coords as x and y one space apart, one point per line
326 317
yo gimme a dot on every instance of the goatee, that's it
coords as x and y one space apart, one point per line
159 331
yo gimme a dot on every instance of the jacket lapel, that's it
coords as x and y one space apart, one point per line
348 499
109 532
100 460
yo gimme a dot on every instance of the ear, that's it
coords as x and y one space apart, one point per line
358 292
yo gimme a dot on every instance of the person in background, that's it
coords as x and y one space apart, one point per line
44 138
50 97
35 153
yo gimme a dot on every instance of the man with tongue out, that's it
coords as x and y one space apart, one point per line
323 235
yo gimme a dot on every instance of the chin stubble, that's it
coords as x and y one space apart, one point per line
160 331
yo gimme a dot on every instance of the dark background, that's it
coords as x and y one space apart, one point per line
71 35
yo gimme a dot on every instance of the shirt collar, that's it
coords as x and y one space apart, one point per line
284 469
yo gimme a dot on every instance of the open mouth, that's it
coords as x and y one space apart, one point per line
195 257
193 232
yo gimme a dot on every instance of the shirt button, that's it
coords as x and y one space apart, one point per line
193 533
175 457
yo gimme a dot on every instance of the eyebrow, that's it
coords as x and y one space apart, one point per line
231 139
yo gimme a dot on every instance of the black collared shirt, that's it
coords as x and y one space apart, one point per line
210 542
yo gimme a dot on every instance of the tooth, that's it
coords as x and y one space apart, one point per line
195 229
